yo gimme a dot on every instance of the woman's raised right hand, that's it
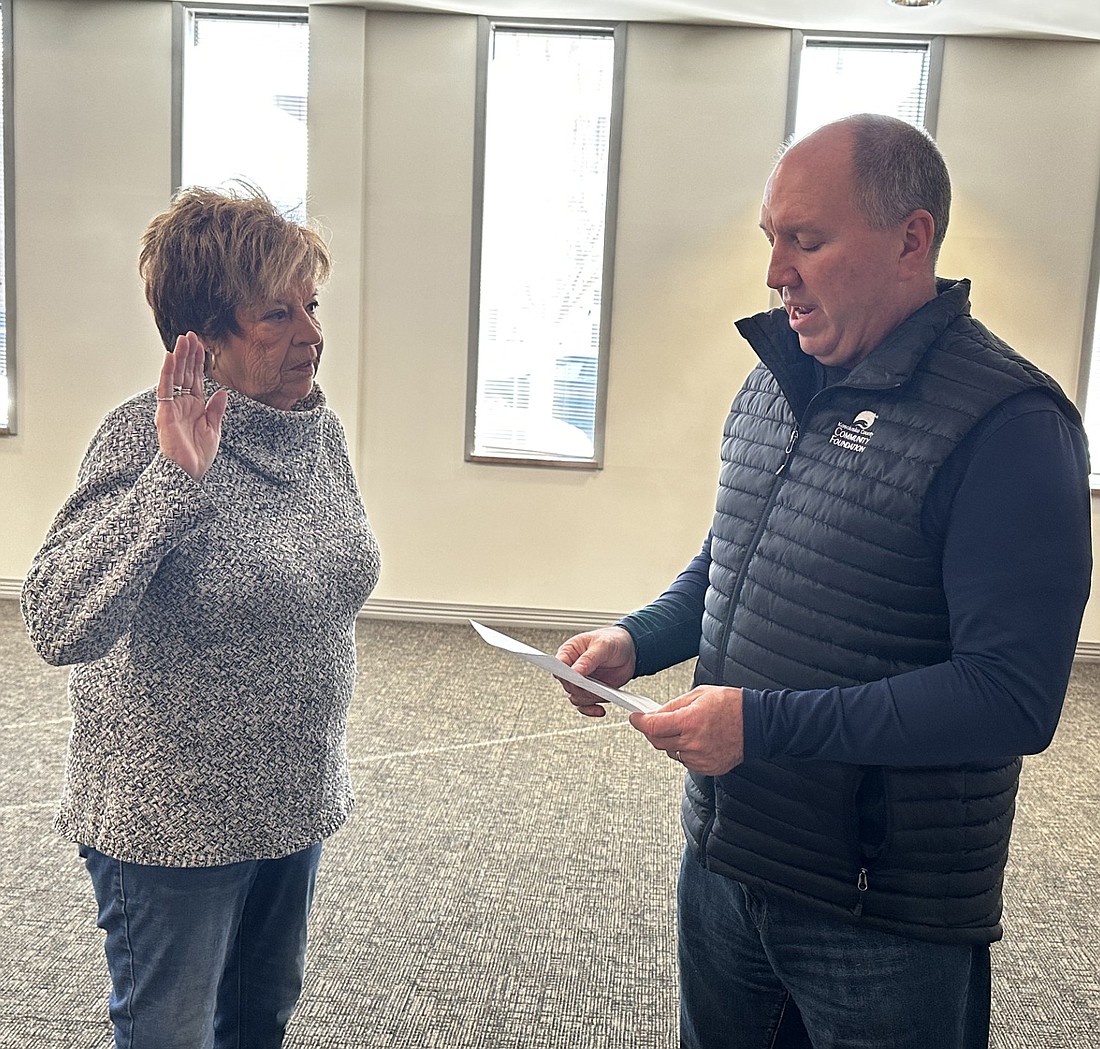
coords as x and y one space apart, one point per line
188 425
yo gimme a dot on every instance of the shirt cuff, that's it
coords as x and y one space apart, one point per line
752 729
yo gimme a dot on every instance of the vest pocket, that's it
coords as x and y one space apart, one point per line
872 812
871 802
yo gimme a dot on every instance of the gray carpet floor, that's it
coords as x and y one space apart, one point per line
507 877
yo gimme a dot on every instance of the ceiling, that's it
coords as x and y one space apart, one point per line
1056 19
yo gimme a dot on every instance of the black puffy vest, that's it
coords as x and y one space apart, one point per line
821 576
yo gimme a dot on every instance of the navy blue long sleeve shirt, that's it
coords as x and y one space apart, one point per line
1011 510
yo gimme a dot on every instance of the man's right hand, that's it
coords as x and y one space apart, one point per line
605 655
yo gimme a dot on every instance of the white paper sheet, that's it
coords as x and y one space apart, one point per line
555 666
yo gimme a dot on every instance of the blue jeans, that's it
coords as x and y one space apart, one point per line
204 957
762 972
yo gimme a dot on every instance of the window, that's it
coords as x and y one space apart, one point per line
835 76
549 100
7 371
241 100
1088 390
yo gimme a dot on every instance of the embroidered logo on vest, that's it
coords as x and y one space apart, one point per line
856 435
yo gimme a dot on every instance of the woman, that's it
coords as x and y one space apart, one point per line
203 580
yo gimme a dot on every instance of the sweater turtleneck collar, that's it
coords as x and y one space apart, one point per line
281 445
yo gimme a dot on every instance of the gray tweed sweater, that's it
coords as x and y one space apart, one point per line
211 630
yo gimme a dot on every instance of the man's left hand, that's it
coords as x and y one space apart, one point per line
702 729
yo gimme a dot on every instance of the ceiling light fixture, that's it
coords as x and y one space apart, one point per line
914 3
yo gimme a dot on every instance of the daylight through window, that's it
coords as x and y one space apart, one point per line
836 77
541 291
244 102
1091 402
7 391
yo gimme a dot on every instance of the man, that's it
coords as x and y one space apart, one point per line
885 613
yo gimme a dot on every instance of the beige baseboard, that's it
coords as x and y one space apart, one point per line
567 619
1087 651
570 619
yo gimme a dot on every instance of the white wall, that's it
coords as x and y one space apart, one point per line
391 153
92 143
1025 171
463 532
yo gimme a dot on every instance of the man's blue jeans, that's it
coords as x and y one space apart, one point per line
761 972
204 957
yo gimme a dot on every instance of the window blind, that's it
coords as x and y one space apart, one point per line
839 77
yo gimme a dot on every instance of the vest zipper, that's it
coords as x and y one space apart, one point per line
787 451
861 885
727 627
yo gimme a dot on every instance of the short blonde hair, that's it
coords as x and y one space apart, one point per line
214 251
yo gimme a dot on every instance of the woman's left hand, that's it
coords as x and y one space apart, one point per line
189 427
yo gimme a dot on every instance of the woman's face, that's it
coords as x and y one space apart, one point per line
274 359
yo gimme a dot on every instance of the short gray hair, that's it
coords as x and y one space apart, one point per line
898 169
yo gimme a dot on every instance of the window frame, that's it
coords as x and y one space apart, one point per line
10 429
871 41
181 11
1090 351
617 31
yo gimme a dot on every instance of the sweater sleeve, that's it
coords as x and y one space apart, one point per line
130 508
667 631
1013 511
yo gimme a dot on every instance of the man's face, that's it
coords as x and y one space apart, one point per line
839 279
